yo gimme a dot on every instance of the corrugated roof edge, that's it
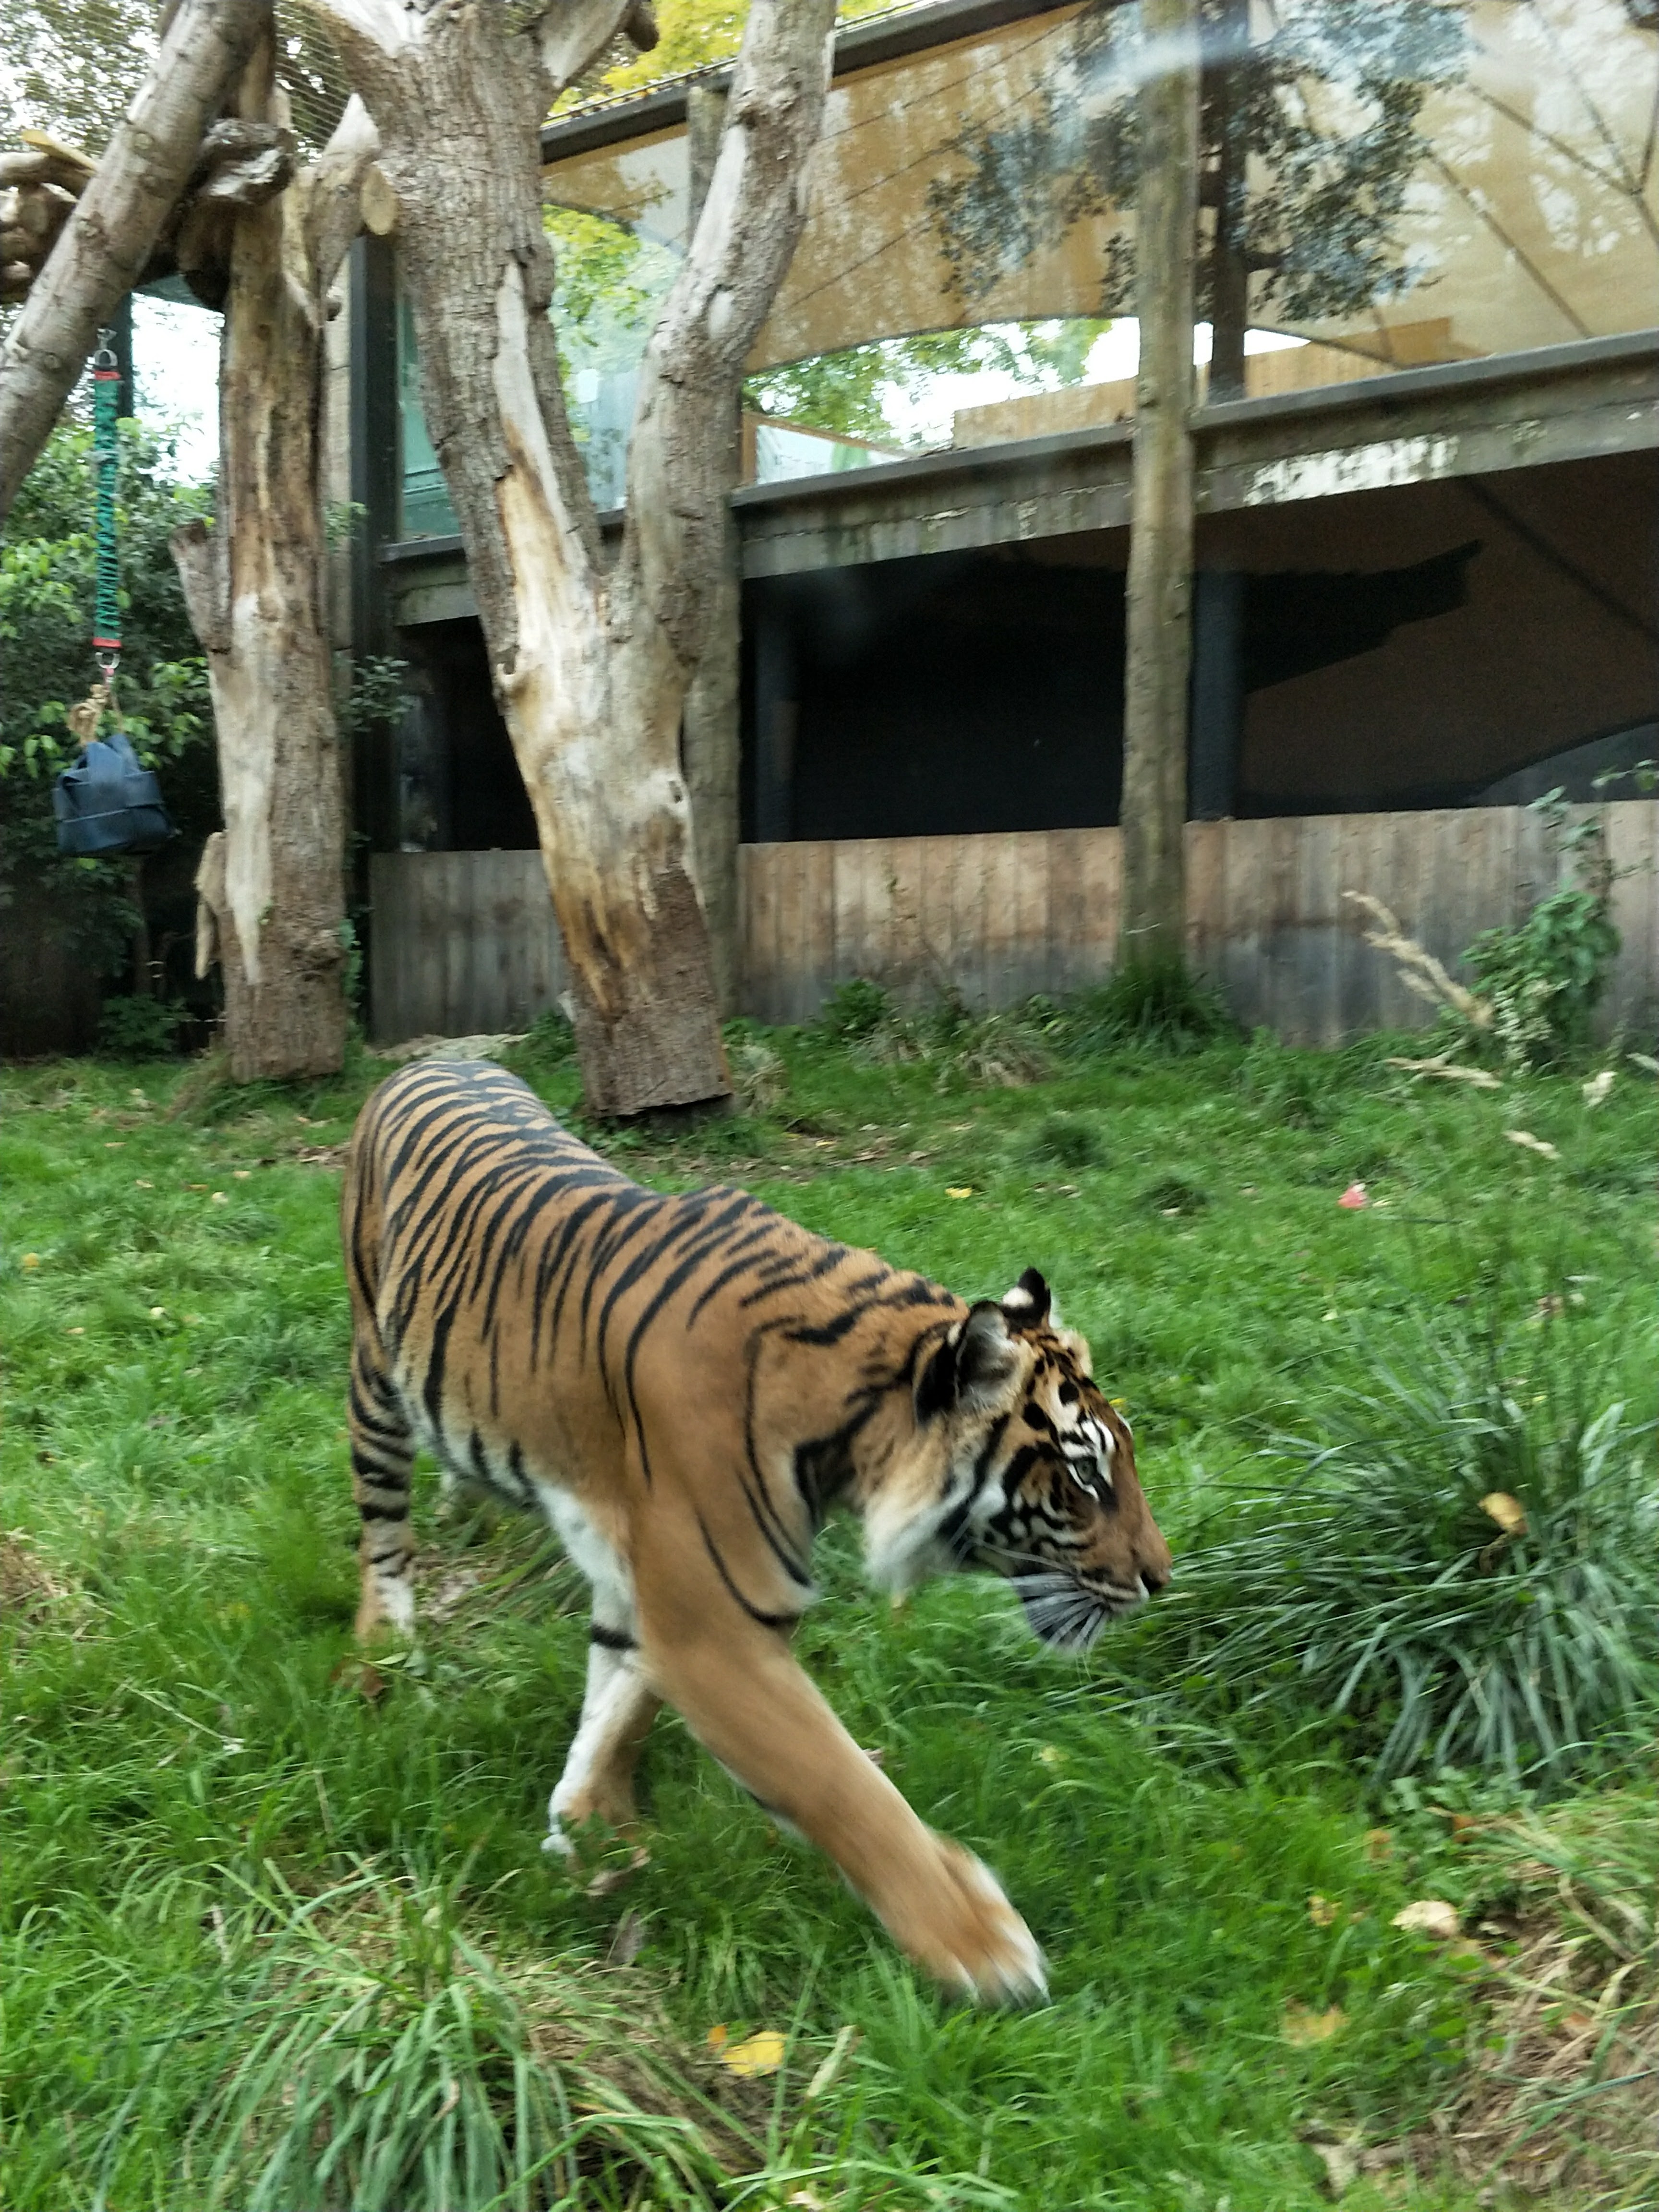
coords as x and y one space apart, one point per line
874 39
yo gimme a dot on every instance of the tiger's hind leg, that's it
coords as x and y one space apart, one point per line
382 1454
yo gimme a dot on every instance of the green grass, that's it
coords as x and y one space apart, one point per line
194 1786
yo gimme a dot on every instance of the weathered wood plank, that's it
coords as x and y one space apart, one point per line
464 942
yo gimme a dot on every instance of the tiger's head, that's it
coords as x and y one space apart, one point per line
1022 1467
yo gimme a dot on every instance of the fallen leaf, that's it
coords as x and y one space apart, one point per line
1596 1090
1644 1061
140 1184
1051 1755
1508 1512
157 1312
30 1259
1354 1197
1323 1912
1531 1144
75 1331
1429 1916
758 2054
1301 2027
959 1190
218 1199
717 2036
241 1174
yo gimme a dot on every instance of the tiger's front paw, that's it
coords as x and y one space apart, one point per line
971 1938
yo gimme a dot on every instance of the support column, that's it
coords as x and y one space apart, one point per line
1217 696
777 693
711 722
1158 646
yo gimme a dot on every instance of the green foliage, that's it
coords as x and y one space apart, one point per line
1175 1194
1317 228
851 391
198 1774
1159 1003
139 1029
1460 1563
46 585
1544 980
1068 1140
855 1009
384 2062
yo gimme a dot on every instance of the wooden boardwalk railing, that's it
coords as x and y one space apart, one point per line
464 942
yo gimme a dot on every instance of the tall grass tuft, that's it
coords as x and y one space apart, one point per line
1157 1003
385 2062
1463 1563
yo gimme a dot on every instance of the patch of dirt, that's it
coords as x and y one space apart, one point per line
320 1156
33 1593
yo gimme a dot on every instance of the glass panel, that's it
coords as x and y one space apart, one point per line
1385 186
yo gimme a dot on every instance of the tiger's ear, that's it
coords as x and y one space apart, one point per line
1027 1305
976 1358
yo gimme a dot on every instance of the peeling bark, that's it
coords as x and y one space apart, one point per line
106 242
254 586
592 666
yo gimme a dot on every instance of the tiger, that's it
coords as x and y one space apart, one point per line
685 1385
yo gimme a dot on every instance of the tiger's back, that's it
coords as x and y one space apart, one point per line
550 1327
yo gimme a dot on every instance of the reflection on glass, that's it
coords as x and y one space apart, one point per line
1384 187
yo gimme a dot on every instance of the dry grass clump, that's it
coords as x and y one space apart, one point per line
33 1594
1564 2096
1419 971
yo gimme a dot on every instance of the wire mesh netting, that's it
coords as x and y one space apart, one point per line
71 67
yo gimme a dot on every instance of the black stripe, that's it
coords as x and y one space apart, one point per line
766 1619
610 1639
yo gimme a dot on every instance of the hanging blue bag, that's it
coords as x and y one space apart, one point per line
109 804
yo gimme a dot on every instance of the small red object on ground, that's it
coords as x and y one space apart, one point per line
1354 1197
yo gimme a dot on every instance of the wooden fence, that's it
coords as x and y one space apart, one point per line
465 941
460 944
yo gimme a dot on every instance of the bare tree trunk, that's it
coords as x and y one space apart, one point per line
106 242
1160 609
712 726
591 664
254 586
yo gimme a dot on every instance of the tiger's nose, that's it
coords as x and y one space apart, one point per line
1153 1579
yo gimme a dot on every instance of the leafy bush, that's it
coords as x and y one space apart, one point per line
1544 979
1464 1566
855 1009
140 1028
46 588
